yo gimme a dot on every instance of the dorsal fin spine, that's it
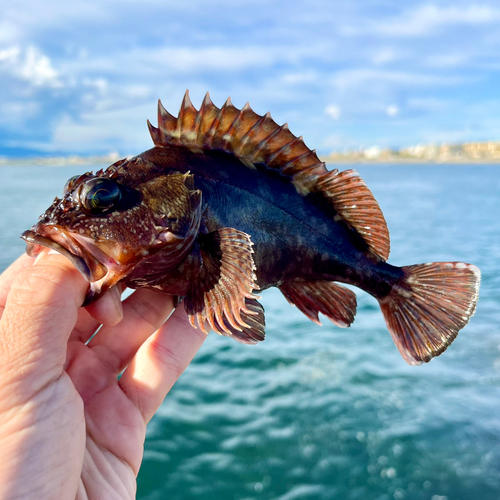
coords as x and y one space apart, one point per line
241 127
286 148
220 124
237 123
182 112
305 180
201 118
282 137
155 134
165 120
253 130
221 138
186 121
299 163
261 149
208 113
197 125
213 127
255 139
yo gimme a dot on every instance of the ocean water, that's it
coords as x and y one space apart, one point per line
323 412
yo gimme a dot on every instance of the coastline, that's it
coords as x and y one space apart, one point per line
60 161
63 161
410 161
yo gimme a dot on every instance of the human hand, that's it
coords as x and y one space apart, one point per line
68 427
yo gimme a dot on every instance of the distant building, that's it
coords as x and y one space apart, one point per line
481 150
421 151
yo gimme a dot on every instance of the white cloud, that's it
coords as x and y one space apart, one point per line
30 65
8 32
322 69
447 60
333 111
10 55
171 60
138 91
339 142
366 77
301 77
392 111
124 129
428 104
385 55
427 18
17 112
100 84
215 58
38 69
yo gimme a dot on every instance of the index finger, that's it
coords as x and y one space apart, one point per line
160 361
40 291
40 312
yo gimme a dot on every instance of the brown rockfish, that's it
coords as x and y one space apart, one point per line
228 203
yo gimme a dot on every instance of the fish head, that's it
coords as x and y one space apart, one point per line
107 224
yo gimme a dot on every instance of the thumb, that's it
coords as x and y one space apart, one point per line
40 313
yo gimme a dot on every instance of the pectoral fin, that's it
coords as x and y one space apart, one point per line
222 297
254 331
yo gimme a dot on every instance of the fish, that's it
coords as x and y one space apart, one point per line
228 203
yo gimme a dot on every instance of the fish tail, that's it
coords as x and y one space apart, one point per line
427 307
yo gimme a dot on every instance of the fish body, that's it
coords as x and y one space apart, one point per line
228 203
294 237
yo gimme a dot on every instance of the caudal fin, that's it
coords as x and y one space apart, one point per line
427 308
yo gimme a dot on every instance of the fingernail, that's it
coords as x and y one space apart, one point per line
45 251
117 302
39 255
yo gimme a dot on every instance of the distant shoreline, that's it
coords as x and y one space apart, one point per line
411 161
93 161
61 161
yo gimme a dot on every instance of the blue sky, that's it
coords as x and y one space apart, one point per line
82 77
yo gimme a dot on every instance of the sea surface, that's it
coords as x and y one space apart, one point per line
323 412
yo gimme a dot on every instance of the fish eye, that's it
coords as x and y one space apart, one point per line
99 196
70 184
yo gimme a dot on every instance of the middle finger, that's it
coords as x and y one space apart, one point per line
143 313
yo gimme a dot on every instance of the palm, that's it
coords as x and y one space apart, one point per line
114 427
86 427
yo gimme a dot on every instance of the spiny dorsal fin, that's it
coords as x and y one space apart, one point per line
256 139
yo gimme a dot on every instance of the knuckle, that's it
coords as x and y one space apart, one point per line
170 360
149 308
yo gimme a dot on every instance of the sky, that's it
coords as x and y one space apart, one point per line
81 77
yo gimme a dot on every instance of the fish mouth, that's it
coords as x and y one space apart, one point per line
100 270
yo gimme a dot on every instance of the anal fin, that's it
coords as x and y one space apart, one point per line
336 302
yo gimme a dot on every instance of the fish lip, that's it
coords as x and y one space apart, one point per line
115 270
101 270
62 242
